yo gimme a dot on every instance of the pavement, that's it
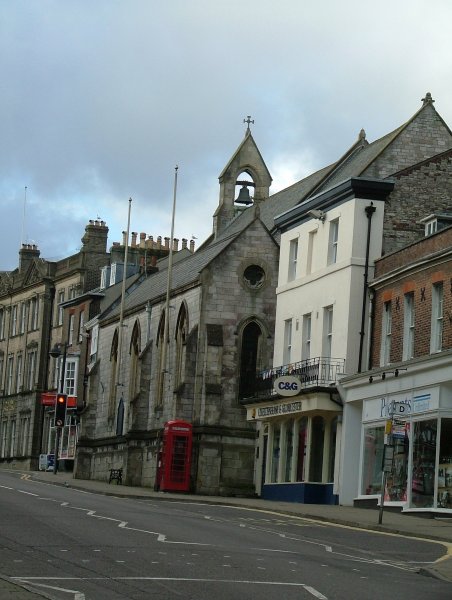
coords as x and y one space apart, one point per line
437 529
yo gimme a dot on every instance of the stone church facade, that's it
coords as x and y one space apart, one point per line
220 326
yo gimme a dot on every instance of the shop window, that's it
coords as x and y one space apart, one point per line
445 465
373 457
332 456
302 439
396 481
316 457
289 450
275 453
424 455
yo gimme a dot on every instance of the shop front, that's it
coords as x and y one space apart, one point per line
296 453
417 426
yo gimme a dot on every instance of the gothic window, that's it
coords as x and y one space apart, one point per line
162 359
249 358
135 344
181 339
113 370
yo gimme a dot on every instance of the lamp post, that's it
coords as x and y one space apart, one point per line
56 352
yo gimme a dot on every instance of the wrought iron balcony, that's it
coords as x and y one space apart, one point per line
313 372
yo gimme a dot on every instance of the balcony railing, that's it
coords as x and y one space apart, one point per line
313 372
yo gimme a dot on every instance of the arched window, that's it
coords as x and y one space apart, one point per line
135 344
161 358
113 374
249 357
244 188
120 417
181 339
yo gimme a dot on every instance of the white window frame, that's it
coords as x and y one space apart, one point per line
14 320
2 323
60 308
2 364
287 351
408 326
71 329
306 337
311 242
10 375
19 363
81 322
70 376
293 257
22 317
327 331
386 333
436 337
31 369
332 241
94 336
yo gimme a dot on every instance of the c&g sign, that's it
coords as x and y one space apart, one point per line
287 385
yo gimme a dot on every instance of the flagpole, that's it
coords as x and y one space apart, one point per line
123 428
168 289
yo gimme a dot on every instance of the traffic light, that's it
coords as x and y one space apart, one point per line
60 410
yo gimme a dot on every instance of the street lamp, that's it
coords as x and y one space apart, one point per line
57 351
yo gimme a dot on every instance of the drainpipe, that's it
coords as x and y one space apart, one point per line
370 209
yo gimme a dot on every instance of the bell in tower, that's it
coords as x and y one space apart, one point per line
244 193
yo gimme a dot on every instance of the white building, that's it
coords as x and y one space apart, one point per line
328 245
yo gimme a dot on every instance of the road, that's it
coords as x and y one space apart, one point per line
82 546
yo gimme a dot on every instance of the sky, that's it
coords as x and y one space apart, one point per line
100 100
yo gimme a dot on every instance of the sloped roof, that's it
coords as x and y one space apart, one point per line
353 163
185 271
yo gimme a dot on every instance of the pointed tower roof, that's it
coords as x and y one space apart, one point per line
246 159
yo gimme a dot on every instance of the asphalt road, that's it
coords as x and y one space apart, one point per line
82 546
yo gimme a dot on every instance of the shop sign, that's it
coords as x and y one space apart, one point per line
287 385
421 403
276 410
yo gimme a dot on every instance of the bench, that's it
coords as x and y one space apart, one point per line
115 475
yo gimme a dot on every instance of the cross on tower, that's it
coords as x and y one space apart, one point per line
248 120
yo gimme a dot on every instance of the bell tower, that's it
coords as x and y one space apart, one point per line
244 182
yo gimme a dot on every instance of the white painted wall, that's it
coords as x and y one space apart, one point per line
339 285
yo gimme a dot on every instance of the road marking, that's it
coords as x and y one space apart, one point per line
25 476
308 588
27 493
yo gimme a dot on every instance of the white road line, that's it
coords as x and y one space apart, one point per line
308 588
27 493
77 595
5 487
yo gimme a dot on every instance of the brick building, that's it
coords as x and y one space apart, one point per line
410 382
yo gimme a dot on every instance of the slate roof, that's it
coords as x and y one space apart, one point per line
353 163
185 271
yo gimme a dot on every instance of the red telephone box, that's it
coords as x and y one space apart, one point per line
176 457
